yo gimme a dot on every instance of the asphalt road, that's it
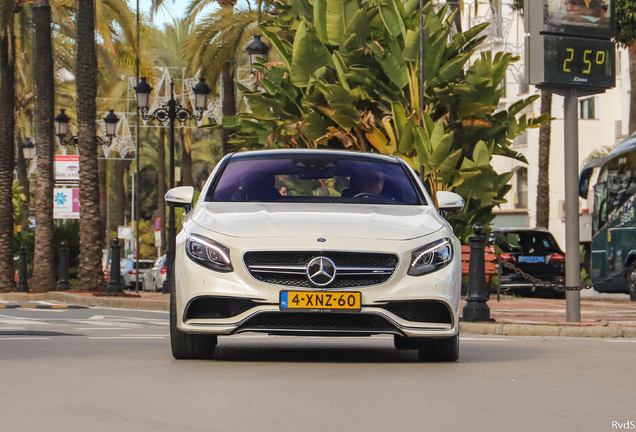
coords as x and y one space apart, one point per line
111 370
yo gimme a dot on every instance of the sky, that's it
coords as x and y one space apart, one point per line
162 17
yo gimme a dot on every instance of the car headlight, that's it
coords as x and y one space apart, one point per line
209 253
432 257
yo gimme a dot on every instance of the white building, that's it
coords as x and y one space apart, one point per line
604 120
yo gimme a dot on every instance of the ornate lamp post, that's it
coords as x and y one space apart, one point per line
61 128
257 49
169 113
28 149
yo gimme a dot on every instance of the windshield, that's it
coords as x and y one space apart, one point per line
531 242
315 178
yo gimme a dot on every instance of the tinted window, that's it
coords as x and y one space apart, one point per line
616 184
145 265
314 178
532 242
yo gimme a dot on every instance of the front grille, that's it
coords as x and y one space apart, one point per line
318 321
426 311
209 307
354 269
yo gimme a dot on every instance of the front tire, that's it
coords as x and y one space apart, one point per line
630 282
439 350
187 346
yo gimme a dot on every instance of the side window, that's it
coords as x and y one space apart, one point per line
600 207
619 183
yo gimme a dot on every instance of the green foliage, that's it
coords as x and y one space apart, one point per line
349 79
625 22
20 211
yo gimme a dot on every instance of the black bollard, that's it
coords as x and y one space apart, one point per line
114 284
476 309
64 282
23 276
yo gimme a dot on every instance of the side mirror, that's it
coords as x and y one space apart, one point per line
450 201
181 196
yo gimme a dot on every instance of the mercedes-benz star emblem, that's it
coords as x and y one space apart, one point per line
321 271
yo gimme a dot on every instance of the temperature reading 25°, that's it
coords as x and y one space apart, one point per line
587 59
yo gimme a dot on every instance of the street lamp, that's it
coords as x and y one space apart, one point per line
169 112
111 121
28 149
61 128
61 124
257 49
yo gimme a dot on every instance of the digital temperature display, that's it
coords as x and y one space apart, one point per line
578 62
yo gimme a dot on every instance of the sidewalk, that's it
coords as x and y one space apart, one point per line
602 315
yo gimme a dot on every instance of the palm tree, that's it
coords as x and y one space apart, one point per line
7 127
90 276
543 185
44 268
217 42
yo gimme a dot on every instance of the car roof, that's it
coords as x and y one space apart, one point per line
277 153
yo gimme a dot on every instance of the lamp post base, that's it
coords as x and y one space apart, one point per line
476 311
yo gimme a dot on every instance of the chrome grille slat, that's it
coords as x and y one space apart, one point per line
288 268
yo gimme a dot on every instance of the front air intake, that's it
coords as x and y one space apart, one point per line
209 307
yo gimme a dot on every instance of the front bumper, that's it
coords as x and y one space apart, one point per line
193 281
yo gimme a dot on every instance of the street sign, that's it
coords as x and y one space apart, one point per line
157 238
158 224
67 168
66 203
125 232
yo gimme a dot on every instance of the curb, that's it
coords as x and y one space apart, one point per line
89 301
556 330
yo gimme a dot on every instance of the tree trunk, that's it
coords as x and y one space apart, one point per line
161 182
543 186
120 193
454 6
229 102
632 95
186 162
7 136
90 275
103 200
23 176
43 257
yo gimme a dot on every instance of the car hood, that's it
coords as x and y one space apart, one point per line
263 220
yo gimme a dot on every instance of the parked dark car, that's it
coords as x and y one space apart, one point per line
537 254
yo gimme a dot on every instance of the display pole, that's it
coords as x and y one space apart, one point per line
572 243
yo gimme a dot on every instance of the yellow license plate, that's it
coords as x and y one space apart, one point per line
320 301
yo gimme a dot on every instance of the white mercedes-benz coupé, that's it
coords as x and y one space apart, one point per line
315 243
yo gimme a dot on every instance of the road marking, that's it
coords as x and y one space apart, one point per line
143 335
485 339
99 328
622 340
25 338
127 337
22 321
106 324
12 328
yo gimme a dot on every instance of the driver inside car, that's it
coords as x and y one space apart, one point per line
371 182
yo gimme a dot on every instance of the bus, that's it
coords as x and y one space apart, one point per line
613 246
